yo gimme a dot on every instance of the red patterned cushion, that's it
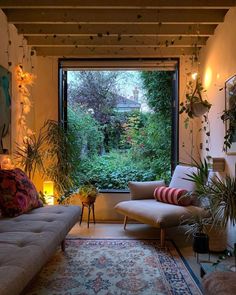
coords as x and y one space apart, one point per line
17 193
172 195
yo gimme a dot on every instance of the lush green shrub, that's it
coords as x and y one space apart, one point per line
89 136
113 170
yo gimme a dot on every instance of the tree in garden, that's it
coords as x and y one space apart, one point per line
157 134
95 91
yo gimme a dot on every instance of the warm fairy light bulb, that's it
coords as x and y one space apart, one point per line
194 76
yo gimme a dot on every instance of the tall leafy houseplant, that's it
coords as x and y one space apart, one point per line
62 155
218 197
222 200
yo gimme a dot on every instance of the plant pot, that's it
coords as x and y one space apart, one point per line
199 109
200 243
217 238
87 199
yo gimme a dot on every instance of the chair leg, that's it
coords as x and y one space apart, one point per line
125 221
163 233
63 245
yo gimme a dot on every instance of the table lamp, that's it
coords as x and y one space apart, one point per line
48 190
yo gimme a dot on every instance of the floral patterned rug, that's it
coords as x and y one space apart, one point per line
115 267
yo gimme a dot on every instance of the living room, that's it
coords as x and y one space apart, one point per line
38 42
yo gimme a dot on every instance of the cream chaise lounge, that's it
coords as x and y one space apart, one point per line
145 209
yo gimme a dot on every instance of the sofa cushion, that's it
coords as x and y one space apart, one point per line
171 195
178 179
143 189
17 193
157 214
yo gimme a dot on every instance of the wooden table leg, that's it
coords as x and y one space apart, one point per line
93 214
89 208
81 216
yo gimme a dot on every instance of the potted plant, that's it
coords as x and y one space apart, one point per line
218 197
194 104
197 229
88 193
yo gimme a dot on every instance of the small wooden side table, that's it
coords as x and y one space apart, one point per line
89 206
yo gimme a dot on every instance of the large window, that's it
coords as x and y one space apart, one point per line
124 121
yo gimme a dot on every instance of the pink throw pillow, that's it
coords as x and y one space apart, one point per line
171 195
17 193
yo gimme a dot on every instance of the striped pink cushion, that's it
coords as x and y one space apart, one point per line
172 195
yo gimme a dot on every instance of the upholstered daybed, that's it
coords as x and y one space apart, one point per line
29 240
145 208
29 232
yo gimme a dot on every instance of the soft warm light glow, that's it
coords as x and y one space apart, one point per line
5 162
208 78
24 80
48 187
48 190
194 76
49 200
218 76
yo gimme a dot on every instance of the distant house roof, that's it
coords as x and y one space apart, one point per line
125 104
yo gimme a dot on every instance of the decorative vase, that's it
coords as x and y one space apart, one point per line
199 109
200 243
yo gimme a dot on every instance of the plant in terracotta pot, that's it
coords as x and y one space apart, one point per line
195 105
88 193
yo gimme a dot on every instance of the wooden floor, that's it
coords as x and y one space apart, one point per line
140 231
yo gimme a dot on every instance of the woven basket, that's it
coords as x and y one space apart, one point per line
217 238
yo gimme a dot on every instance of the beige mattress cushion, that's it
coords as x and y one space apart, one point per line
156 213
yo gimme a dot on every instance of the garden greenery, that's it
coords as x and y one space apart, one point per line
126 146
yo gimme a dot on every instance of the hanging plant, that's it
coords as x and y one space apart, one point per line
229 117
229 114
194 104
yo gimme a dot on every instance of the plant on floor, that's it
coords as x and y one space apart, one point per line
218 197
222 200
61 155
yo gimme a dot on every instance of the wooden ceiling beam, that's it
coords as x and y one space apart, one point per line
119 16
114 30
112 52
114 4
115 41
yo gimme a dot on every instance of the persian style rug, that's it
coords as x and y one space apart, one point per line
115 267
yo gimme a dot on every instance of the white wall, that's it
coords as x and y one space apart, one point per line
218 60
218 63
